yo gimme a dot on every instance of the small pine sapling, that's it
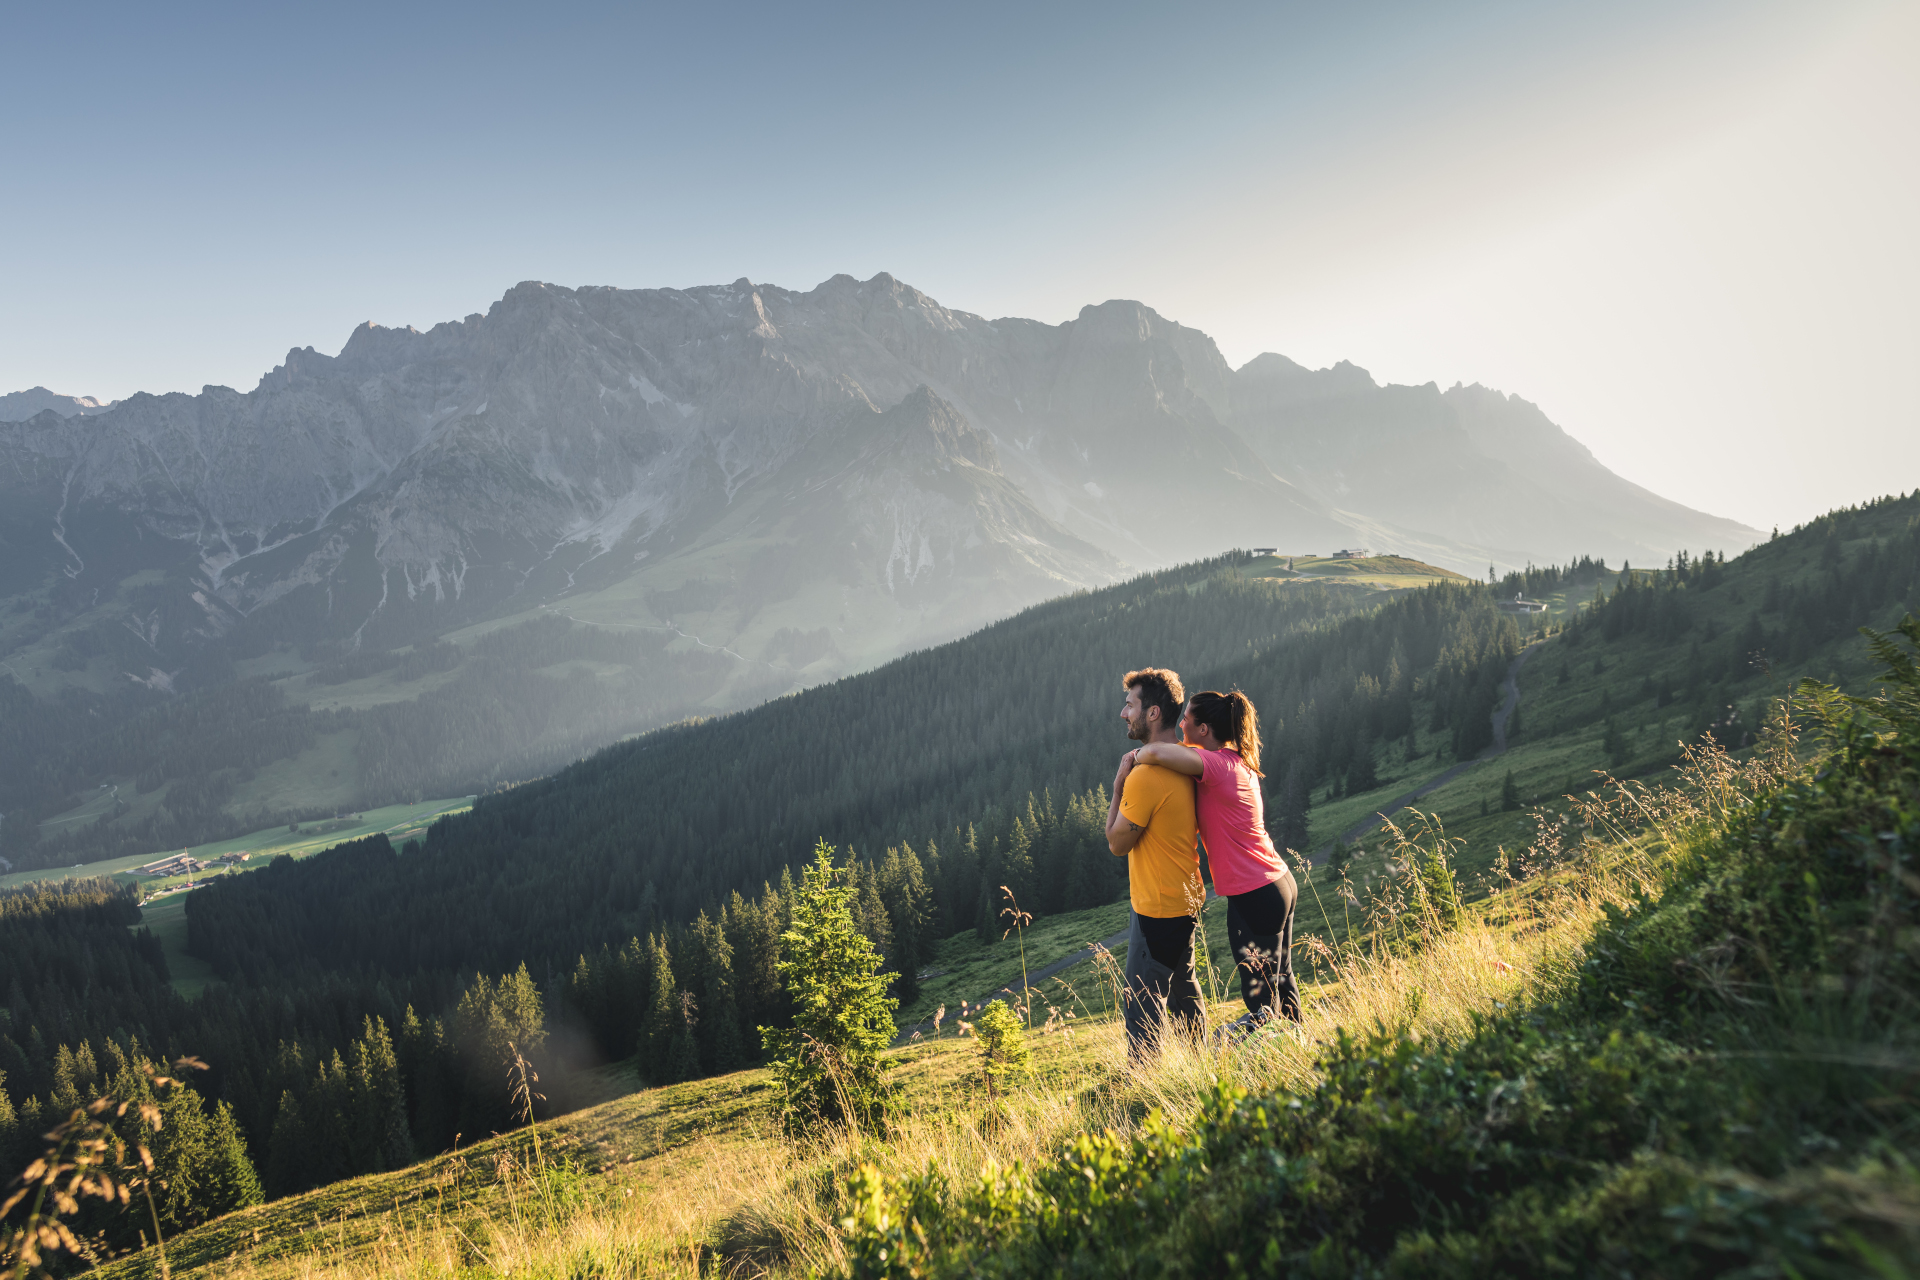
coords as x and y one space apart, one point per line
1003 1043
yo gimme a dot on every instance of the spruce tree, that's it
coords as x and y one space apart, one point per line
9 1122
231 1179
1614 743
662 1021
904 893
586 995
379 1102
494 1020
870 912
753 928
829 1064
710 977
1438 887
424 1070
1017 866
327 1111
1090 881
961 891
1003 1043
1365 775
683 1050
1291 814
182 1160
1509 793
1339 856
986 892
287 1165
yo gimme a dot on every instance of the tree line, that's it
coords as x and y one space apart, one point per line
1864 569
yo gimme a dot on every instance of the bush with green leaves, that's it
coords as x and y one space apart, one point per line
1726 1089
829 1063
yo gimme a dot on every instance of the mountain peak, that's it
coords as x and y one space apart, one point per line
923 423
1271 365
1120 318
370 341
18 406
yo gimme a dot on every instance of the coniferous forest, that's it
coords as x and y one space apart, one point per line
630 905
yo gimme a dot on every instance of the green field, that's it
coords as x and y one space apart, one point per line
167 918
1379 572
399 821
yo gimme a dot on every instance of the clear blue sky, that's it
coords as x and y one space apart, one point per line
1683 228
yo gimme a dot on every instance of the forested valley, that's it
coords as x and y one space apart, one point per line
550 688
630 905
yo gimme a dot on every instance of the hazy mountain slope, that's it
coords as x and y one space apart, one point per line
1588 500
887 531
1470 465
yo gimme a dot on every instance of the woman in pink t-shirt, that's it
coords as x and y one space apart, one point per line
1222 751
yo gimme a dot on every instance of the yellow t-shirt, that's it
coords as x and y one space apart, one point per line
1165 865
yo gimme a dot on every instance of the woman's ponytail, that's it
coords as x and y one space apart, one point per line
1233 720
1246 729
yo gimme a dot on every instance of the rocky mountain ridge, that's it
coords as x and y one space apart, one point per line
570 440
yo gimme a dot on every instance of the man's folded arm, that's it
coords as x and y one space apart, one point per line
1171 755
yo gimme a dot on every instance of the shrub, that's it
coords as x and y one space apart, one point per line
829 1064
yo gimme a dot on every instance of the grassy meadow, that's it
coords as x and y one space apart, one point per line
699 1179
1383 573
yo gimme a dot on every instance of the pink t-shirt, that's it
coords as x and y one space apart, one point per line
1233 824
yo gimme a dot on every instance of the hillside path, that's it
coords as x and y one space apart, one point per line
1499 746
1500 717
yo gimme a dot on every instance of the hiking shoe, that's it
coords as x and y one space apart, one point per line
1241 1028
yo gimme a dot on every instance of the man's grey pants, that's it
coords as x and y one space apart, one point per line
1160 976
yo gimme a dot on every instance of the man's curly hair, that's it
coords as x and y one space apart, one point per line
1160 688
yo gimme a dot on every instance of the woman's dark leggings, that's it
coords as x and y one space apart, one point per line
1260 931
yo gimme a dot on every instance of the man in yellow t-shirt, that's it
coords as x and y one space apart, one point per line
1151 823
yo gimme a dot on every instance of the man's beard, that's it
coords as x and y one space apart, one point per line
1137 731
